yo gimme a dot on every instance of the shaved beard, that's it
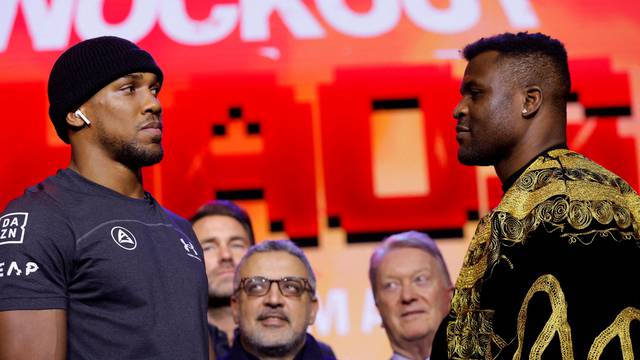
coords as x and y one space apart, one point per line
274 350
130 154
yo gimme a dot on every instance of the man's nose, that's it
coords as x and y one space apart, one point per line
407 293
460 110
152 104
223 253
273 297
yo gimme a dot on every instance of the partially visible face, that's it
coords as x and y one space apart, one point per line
489 113
273 324
126 119
224 241
411 294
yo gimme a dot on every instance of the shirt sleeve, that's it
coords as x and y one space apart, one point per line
36 254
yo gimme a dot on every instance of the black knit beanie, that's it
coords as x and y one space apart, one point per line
85 68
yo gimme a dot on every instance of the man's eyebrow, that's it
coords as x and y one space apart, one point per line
468 84
209 240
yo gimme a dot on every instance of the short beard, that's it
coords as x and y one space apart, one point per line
482 155
475 159
276 350
130 154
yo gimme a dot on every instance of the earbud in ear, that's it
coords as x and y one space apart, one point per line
82 116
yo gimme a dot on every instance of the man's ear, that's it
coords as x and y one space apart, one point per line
235 310
75 120
532 101
314 310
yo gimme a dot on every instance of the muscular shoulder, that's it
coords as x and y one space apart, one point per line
36 215
179 223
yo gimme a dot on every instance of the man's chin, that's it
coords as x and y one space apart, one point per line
473 159
221 288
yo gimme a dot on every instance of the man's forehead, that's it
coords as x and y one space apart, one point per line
215 223
482 62
273 264
405 260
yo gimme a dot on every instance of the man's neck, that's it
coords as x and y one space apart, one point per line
414 350
545 131
291 356
108 173
222 318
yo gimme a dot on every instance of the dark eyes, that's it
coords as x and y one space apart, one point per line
132 87
420 280
237 245
128 88
475 93
208 246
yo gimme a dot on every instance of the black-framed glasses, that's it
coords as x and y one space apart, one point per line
292 286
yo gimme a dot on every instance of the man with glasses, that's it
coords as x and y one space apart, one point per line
273 304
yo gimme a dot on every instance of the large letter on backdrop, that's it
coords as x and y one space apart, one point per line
382 18
383 128
8 12
90 21
294 13
459 17
48 23
177 24
243 138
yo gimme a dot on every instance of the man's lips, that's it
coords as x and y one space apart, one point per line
224 272
461 129
273 318
153 127
410 313
462 132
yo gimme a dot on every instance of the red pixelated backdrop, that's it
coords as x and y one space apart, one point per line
329 120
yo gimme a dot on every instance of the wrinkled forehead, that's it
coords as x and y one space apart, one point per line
405 261
273 265
212 225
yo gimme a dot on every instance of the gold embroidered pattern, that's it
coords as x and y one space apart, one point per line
562 192
557 322
621 327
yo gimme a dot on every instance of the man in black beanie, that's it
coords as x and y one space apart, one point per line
91 266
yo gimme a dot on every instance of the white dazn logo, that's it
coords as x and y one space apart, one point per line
12 227
124 238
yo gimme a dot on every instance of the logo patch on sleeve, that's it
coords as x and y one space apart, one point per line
12 227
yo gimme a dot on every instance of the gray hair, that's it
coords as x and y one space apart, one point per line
409 239
273 246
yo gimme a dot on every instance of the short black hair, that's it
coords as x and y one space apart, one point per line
226 208
540 59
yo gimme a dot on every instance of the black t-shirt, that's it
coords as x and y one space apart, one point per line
129 274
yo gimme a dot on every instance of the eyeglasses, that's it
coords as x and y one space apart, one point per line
288 286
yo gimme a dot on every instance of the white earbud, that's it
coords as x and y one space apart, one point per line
79 114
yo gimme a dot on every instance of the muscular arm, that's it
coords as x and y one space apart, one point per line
33 335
